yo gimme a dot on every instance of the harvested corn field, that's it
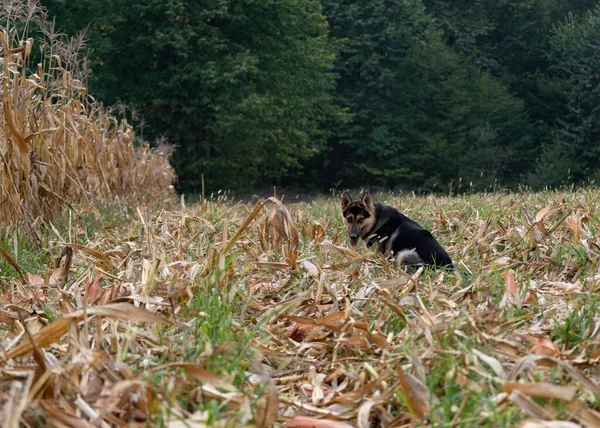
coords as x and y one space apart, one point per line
228 314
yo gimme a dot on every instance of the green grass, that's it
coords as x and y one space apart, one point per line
28 257
579 323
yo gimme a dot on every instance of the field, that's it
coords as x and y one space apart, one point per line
231 314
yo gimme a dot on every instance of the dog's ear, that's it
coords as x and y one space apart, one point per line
366 200
346 200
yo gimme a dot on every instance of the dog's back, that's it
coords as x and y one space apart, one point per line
396 234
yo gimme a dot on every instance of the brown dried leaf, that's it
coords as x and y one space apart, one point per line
312 269
542 213
204 376
308 422
583 414
364 412
63 417
536 423
492 362
543 346
542 389
34 280
104 261
511 289
122 311
48 335
528 406
93 289
414 401
348 252
267 405
52 332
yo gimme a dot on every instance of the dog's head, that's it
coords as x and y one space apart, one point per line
359 216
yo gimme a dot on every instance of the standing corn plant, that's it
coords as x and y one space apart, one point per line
57 147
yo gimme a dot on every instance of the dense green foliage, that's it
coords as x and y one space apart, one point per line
391 93
424 116
226 82
573 93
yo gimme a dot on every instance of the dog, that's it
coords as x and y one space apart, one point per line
394 233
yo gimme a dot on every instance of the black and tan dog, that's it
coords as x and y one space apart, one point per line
395 233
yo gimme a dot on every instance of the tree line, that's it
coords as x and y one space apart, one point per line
432 95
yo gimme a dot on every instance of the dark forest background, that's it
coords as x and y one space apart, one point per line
399 94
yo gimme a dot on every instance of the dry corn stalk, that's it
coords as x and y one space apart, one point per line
56 148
